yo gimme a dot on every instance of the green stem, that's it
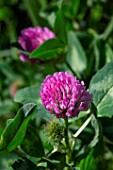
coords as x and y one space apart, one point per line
83 127
68 155
108 31
66 134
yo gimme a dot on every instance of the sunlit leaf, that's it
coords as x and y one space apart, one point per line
87 163
27 95
48 50
76 56
14 133
60 26
101 86
31 94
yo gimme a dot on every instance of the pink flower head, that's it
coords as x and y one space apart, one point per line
32 38
64 95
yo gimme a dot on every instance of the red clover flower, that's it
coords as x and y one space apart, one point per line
32 38
64 95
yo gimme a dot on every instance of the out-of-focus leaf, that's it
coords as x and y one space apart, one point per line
6 160
7 70
81 115
99 51
76 56
70 8
24 164
6 53
4 13
56 161
95 17
42 112
31 94
32 147
51 19
107 125
92 141
27 95
109 53
75 6
97 57
58 156
5 107
1 130
32 8
60 26
16 45
48 50
87 163
101 86
108 31
14 133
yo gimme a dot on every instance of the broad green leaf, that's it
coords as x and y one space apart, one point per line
31 94
9 121
101 86
88 162
32 147
14 133
42 112
27 95
76 56
60 26
48 50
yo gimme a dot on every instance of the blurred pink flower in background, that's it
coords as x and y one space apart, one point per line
32 38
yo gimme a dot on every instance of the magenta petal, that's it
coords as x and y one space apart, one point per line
64 94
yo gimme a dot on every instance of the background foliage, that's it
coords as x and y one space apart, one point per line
85 37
